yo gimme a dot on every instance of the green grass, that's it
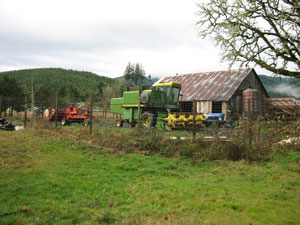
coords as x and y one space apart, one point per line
57 179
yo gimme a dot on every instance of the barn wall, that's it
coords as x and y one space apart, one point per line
204 107
235 105
251 81
225 110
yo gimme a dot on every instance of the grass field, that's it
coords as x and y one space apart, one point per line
49 177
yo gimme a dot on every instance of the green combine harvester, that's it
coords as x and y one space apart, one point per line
157 107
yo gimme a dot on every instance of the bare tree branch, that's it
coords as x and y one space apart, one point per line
261 32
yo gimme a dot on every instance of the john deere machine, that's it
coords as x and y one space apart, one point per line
156 107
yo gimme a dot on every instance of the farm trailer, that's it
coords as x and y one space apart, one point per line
70 115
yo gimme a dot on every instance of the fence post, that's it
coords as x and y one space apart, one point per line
91 109
42 112
249 123
0 105
253 107
56 111
249 110
258 130
194 120
9 109
12 107
25 112
139 108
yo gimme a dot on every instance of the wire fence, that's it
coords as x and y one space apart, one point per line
140 111
195 129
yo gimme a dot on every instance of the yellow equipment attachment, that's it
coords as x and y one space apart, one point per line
184 120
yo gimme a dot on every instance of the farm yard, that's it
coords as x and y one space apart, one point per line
151 157
210 134
128 176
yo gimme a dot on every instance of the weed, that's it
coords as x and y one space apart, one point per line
145 141
64 183
106 218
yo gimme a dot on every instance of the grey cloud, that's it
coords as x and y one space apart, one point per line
89 37
29 47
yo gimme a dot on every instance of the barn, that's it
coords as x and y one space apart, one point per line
230 92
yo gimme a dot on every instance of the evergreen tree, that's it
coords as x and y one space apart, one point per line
12 95
139 74
134 73
129 72
100 87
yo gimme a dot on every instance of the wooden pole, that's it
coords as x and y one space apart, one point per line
253 106
56 111
12 100
0 105
194 119
91 109
249 123
25 112
139 108
32 102
249 117
10 106
42 112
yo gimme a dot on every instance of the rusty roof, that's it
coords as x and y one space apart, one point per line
283 102
209 86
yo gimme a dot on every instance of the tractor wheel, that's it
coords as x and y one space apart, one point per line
64 121
147 120
86 122
119 123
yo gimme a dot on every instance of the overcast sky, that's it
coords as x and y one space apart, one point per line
102 36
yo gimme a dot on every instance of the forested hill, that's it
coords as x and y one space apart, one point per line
63 82
273 81
60 80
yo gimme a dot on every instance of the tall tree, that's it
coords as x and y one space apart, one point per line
134 73
12 95
139 73
100 87
129 72
108 93
263 32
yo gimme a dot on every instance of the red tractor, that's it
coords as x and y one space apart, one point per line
73 114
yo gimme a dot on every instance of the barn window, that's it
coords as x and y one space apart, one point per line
186 106
216 107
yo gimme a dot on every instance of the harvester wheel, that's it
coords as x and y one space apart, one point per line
147 120
119 123
86 122
64 121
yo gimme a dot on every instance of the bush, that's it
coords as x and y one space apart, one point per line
147 141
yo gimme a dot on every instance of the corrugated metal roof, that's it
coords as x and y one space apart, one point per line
209 86
283 102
